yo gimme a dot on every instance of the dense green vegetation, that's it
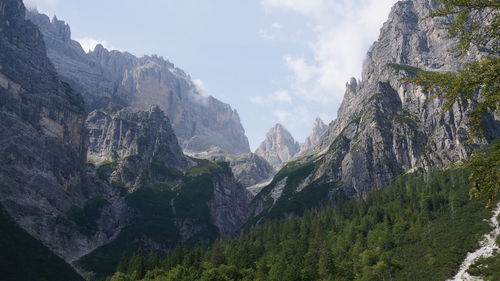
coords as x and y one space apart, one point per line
485 172
487 268
23 258
418 228
160 209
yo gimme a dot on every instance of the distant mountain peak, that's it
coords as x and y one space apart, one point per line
318 129
279 146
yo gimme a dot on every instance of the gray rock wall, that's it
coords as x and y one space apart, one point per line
43 145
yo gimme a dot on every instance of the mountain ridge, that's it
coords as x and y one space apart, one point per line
385 126
109 78
278 147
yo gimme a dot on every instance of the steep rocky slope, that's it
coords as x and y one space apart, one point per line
278 147
199 206
319 128
386 126
43 177
108 78
136 146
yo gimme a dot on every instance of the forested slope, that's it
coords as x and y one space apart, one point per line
417 228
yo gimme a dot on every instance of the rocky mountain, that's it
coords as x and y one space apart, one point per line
319 128
385 126
108 78
44 181
172 198
134 144
197 206
278 147
142 190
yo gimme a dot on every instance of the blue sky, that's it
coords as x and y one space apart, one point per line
273 61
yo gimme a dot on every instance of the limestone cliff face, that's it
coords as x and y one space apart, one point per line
319 128
109 78
386 126
278 147
43 146
134 144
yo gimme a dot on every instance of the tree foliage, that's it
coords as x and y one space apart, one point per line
418 228
464 85
473 23
485 172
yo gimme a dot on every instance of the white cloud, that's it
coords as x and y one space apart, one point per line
282 116
343 29
274 32
276 98
257 100
34 4
88 44
200 87
294 118
282 96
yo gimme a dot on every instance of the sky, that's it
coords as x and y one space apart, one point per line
274 61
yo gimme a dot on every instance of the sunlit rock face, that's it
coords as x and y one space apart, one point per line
386 126
135 142
279 147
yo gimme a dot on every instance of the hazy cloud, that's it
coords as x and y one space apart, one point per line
276 98
200 87
293 118
88 44
274 32
33 4
282 96
343 29
257 100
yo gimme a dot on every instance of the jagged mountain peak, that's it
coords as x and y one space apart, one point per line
318 124
318 129
279 146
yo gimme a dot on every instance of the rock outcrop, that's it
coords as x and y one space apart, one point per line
44 180
386 126
278 147
109 78
134 147
319 128
248 169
